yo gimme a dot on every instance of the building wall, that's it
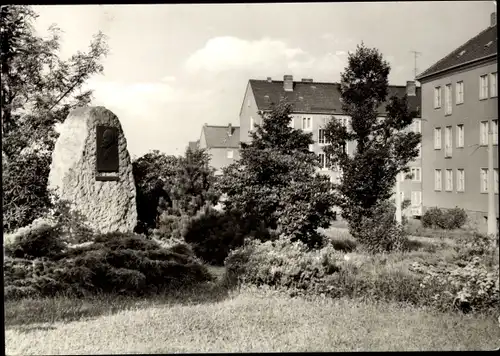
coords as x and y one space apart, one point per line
219 155
249 110
471 157
219 159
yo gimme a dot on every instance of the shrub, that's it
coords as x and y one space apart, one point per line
473 287
448 219
281 263
380 233
72 223
213 234
113 263
41 241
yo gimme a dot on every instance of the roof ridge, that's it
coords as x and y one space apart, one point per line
328 83
429 70
221 126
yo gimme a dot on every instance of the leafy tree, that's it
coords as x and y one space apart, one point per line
194 186
275 182
38 90
383 148
154 174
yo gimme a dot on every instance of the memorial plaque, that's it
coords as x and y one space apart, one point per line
107 149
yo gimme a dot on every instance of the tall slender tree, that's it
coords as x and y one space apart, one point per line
383 146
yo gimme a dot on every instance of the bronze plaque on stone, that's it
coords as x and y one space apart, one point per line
107 149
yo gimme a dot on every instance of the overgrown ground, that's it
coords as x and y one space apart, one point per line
211 318
254 320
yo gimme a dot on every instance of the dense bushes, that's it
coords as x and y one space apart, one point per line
112 263
442 284
448 219
380 232
213 234
41 241
281 263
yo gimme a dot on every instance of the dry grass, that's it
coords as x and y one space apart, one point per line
255 320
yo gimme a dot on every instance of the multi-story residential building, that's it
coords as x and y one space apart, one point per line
222 144
459 103
314 104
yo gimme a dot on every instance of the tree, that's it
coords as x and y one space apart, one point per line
194 185
38 90
275 182
154 174
383 148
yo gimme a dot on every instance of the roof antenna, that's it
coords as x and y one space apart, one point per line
415 55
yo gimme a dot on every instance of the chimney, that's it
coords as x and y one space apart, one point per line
269 79
288 82
411 88
230 130
493 19
307 80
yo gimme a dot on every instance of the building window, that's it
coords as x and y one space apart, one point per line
248 102
459 89
437 138
494 123
449 180
324 161
460 180
460 135
484 180
252 123
437 97
493 85
416 174
230 154
321 136
447 99
416 198
483 132
291 123
448 141
437 180
483 87
419 147
306 123
311 148
495 179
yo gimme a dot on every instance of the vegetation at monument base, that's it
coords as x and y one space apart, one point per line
38 90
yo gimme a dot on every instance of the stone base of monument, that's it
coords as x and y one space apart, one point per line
91 168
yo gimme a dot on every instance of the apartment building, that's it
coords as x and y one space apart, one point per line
460 105
314 104
222 144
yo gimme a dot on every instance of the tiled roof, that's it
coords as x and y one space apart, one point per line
217 136
480 46
315 97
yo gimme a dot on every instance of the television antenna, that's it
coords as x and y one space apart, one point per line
415 55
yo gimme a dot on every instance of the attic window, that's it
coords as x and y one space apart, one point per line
488 44
461 53
266 97
313 86
301 98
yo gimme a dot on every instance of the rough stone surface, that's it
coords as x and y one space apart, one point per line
109 206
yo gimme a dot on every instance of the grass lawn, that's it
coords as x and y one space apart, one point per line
250 320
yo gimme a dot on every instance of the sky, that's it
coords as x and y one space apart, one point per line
173 67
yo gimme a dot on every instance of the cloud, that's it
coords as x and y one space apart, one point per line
260 58
228 53
169 78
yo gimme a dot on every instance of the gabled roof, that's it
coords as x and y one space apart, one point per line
217 136
315 97
481 46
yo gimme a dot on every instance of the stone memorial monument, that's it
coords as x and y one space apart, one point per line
91 168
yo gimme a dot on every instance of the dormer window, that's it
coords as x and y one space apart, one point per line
461 53
488 44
